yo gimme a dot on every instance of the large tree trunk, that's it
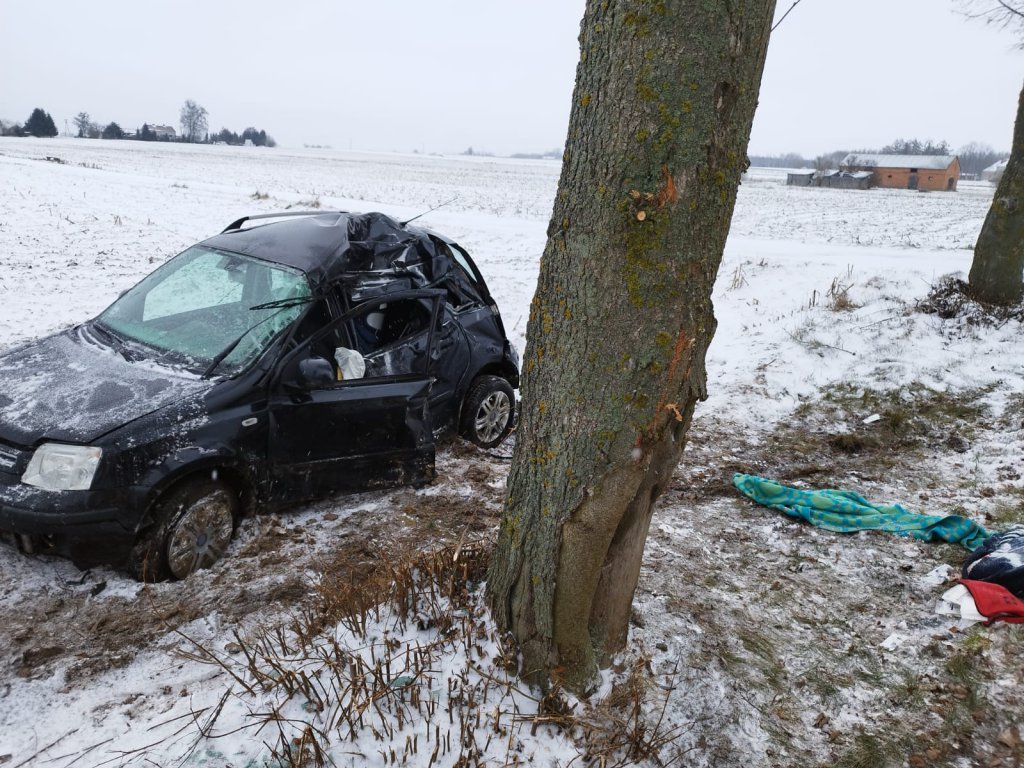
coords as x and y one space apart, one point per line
998 266
622 318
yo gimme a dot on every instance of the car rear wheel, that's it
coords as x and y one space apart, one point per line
192 526
487 411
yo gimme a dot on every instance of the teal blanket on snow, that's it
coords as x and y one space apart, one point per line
845 511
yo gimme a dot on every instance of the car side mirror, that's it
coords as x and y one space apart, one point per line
316 373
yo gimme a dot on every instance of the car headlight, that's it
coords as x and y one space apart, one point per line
57 467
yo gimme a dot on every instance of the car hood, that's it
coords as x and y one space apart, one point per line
71 388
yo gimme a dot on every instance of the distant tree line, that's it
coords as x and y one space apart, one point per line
39 124
788 160
258 138
193 121
914 147
974 157
551 154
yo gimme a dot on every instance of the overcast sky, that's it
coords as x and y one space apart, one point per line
443 75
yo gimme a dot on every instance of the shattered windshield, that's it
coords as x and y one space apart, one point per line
208 308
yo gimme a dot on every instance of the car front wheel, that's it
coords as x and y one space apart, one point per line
488 410
192 526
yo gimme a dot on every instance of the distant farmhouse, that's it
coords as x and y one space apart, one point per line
994 171
935 173
163 131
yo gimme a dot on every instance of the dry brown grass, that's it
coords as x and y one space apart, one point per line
372 693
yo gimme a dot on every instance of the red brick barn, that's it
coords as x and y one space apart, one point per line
934 173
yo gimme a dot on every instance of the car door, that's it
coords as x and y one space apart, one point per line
477 316
371 429
451 366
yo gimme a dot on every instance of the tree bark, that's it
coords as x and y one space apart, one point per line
622 317
997 271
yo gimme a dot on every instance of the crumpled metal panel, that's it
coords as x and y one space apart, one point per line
330 246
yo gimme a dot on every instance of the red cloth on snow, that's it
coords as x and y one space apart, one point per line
995 602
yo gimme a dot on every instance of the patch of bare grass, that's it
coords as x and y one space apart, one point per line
873 429
1004 513
871 751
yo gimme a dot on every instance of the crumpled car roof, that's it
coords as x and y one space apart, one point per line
329 247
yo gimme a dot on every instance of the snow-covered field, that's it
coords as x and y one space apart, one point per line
779 644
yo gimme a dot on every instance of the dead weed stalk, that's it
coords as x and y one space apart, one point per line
838 297
628 726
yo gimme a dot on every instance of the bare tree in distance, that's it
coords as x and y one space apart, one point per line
916 147
830 160
193 121
83 123
1005 14
975 157
622 318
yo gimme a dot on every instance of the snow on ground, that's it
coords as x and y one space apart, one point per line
779 644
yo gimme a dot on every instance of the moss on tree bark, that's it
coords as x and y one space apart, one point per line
622 317
998 266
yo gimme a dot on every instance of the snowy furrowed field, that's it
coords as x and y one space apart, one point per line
762 641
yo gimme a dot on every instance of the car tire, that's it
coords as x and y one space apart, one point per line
192 526
488 411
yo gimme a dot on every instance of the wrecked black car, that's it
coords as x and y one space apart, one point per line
278 361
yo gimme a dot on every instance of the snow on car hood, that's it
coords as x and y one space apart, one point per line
70 388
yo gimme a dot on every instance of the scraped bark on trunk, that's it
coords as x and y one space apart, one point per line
997 271
622 317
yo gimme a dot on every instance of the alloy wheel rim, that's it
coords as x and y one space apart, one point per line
492 416
201 535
